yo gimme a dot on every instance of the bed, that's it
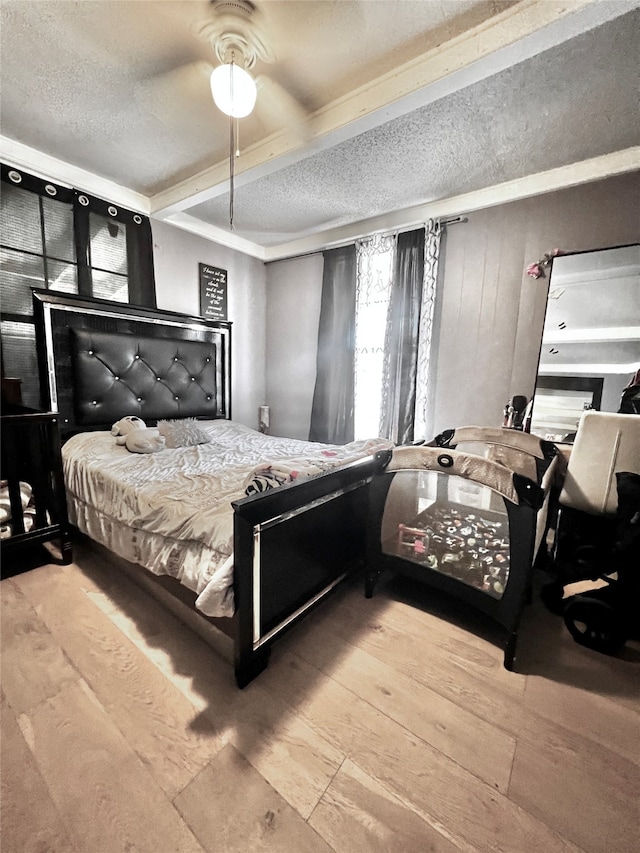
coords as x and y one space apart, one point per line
252 531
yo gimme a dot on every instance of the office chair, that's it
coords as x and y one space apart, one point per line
598 533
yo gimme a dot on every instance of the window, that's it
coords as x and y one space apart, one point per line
57 238
373 292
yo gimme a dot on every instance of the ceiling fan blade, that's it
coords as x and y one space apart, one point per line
172 94
278 109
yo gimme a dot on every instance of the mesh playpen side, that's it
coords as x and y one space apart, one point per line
461 524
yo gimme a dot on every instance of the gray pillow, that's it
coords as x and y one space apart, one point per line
182 433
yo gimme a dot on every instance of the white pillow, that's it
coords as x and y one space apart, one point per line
182 433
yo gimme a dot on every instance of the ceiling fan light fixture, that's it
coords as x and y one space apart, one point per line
234 90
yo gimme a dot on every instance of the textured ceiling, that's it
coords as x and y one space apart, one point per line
563 106
119 88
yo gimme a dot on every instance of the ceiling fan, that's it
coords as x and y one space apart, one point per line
235 35
234 31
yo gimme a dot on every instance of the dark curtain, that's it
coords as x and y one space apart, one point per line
131 257
142 280
332 410
401 344
137 248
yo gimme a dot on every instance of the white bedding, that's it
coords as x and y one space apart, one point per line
171 512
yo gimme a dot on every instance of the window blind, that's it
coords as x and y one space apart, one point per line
60 238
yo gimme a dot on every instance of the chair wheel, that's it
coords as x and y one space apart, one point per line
595 624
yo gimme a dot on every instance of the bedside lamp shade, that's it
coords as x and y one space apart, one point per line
263 418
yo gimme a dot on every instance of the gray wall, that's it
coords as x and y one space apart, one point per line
489 314
176 256
294 289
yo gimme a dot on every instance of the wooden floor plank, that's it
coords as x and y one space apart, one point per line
403 643
297 760
599 718
575 789
34 666
29 819
441 631
483 749
381 724
499 697
159 723
438 789
356 813
108 800
259 820
291 755
577 675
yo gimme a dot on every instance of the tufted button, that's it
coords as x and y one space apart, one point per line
94 402
208 359
208 396
175 358
176 398
90 352
193 378
136 356
157 379
117 378
139 399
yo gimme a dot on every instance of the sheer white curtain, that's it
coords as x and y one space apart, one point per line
385 342
423 423
375 263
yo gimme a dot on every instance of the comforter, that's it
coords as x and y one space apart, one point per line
171 511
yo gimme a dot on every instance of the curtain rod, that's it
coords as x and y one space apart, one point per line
453 221
402 230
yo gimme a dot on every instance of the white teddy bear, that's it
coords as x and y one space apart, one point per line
136 437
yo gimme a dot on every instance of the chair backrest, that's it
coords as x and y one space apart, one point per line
605 444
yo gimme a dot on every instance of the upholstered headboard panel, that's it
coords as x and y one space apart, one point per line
101 360
117 375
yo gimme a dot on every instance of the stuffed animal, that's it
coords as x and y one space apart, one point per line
132 432
126 425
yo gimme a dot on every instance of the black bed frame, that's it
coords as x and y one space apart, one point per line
31 454
292 545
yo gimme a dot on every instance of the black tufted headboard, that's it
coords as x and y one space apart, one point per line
101 360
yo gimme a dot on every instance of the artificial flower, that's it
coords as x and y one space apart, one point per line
536 270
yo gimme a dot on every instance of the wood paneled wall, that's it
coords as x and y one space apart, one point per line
490 314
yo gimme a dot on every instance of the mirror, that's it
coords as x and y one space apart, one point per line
591 340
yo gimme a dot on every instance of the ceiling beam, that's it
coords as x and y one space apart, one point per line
586 171
520 32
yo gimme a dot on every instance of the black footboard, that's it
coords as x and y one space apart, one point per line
292 547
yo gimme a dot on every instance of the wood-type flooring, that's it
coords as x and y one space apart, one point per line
386 724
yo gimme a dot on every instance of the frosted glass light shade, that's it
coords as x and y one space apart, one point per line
234 91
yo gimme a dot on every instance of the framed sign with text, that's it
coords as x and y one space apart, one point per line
213 292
